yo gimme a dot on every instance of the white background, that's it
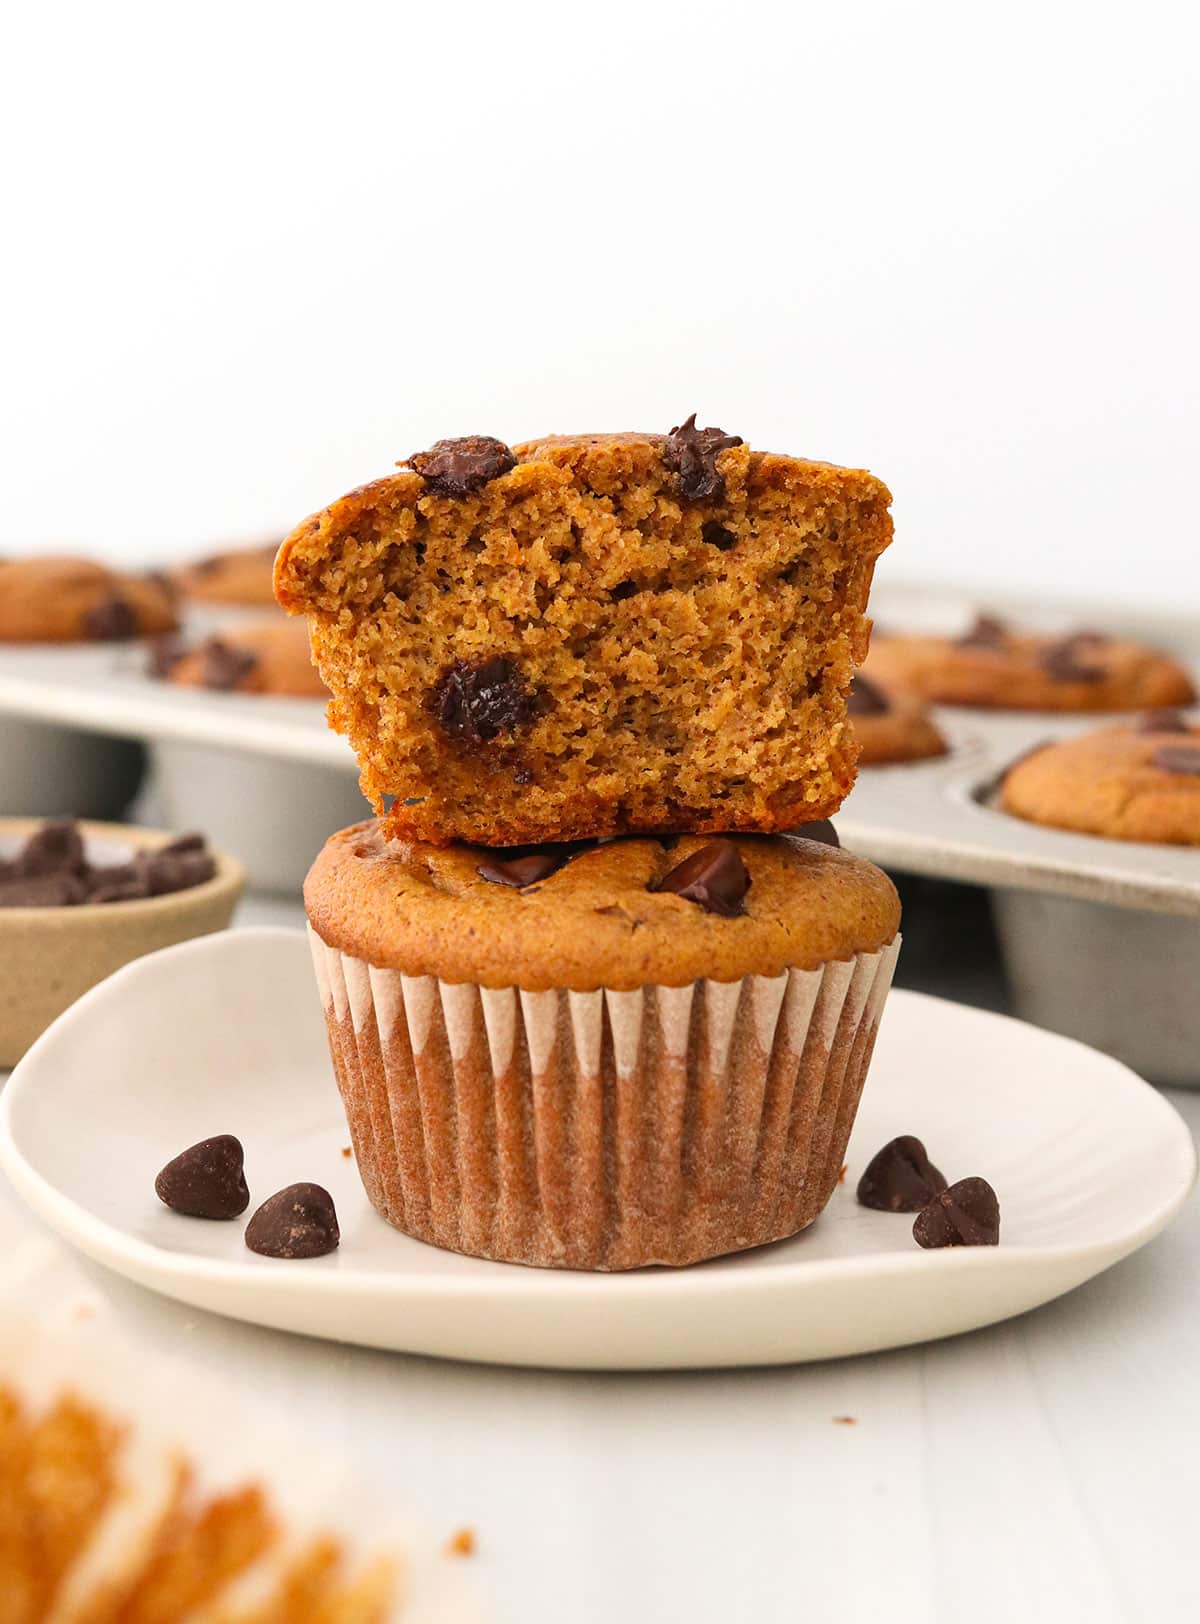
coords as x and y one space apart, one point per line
256 252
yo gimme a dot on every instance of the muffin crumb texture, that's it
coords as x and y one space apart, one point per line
614 633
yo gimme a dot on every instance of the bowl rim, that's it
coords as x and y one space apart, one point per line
229 878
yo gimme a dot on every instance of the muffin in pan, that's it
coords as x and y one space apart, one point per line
76 600
594 634
1125 783
600 1055
240 577
996 666
891 726
259 657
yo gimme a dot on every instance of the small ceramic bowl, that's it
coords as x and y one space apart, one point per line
53 955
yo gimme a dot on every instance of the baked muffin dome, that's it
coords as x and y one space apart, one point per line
76 600
260 657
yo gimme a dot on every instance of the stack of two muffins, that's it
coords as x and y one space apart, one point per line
575 1020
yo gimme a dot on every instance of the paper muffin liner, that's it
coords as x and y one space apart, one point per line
601 1130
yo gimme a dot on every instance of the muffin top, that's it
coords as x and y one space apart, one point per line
243 575
76 600
597 919
891 726
1128 783
261 657
996 665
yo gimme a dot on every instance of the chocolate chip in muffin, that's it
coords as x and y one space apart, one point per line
224 666
691 455
55 848
718 535
527 865
459 467
965 1214
297 1222
1066 659
207 1180
822 831
867 698
900 1177
112 620
715 877
1178 758
477 701
1163 721
987 631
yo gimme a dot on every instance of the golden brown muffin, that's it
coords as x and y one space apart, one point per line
74 600
262 657
1127 783
594 634
635 1052
243 575
994 666
891 726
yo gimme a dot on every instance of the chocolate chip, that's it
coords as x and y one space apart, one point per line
110 621
623 590
1178 758
966 1214
1163 721
478 701
822 831
867 698
168 870
715 877
223 665
62 890
458 467
164 653
691 455
297 1222
55 847
987 632
716 535
1066 658
900 1177
526 865
192 841
206 1180
117 882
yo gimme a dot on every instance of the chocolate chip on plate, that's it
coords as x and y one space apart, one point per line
867 698
1162 721
459 467
477 701
207 1180
822 832
691 455
525 865
110 621
965 1214
987 631
900 1177
1178 758
715 877
224 666
1067 658
297 1222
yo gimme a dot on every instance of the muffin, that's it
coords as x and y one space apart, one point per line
1126 783
592 635
600 1055
262 657
996 666
241 576
891 726
74 600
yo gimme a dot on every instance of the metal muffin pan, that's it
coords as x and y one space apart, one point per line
267 780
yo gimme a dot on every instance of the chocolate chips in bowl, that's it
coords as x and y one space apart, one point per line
52 869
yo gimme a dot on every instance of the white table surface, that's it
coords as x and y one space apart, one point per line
1044 1471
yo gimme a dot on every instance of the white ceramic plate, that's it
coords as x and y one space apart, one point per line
224 1035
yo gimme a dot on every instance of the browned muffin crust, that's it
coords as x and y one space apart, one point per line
895 728
595 922
574 647
241 575
1121 782
75 600
261 657
1002 668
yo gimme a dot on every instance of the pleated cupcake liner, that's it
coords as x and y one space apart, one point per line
601 1130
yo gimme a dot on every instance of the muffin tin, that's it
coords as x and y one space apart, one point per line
1100 936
